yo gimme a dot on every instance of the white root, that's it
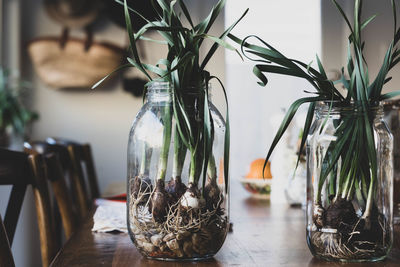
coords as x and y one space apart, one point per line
185 218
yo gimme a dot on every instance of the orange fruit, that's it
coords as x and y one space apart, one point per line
256 169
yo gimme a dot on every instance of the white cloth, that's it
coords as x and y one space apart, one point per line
110 216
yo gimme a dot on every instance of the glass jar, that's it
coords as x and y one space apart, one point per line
392 118
174 211
349 205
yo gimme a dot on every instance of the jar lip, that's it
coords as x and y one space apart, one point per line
391 104
336 107
165 85
339 104
158 85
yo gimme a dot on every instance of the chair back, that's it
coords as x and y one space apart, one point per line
56 176
81 154
19 170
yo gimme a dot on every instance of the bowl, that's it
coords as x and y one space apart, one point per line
258 187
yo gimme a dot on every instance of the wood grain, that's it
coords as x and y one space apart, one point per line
79 180
87 158
47 235
55 175
263 235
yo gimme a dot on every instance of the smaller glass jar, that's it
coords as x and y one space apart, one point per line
392 118
349 205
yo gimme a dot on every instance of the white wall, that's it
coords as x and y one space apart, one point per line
294 28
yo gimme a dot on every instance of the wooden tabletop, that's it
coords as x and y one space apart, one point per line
263 235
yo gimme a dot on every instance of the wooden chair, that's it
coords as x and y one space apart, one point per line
75 182
6 258
81 154
19 170
55 175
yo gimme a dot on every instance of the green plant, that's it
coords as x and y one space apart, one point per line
186 71
355 145
12 112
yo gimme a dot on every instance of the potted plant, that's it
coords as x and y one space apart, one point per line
178 133
349 147
13 115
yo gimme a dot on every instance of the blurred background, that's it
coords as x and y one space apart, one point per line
31 33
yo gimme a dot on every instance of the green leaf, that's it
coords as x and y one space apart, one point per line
221 43
186 13
227 136
263 79
164 5
153 40
132 10
397 37
223 35
280 70
288 118
306 129
367 21
343 15
389 95
394 10
321 68
114 71
208 135
132 40
205 25
357 17
333 154
374 91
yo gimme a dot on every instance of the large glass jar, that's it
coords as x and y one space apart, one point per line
349 205
174 212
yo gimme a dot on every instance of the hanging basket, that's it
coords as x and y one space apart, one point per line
74 63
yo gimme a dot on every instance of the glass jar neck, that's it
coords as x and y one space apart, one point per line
335 109
159 92
163 92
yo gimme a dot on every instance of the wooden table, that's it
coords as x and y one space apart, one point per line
263 235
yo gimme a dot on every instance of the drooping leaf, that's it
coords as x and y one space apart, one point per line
114 71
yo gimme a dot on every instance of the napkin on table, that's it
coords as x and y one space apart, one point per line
110 216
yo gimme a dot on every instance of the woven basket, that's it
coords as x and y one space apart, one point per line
71 64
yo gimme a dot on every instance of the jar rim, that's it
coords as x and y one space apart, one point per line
391 104
166 87
158 85
335 107
166 84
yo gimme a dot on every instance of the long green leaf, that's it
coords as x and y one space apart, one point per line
132 40
186 13
288 118
389 95
227 135
114 71
223 35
